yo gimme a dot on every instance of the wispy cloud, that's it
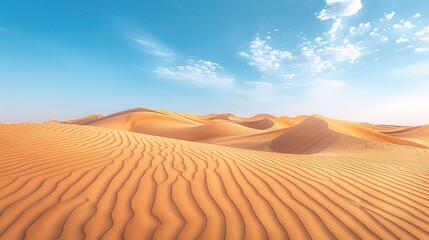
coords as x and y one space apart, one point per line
324 55
199 72
310 63
403 24
181 67
339 8
287 76
417 15
336 26
408 31
388 16
423 35
347 52
259 84
402 39
420 50
328 82
310 56
153 48
376 33
361 29
318 58
317 82
308 60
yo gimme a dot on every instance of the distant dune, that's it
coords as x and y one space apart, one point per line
313 135
144 174
299 135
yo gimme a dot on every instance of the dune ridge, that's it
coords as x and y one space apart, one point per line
312 135
262 132
67 181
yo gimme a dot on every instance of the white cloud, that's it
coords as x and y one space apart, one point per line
316 59
153 48
365 25
328 82
313 62
384 38
198 72
317 82
403 24
339 8
389 16
417 15
425 31
420 50
374 32
310 59
259 84
337 25
360 29
287 75
243 54
264 57
402 40
423 35
343 53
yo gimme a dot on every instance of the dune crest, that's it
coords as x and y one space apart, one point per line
312 135
263 132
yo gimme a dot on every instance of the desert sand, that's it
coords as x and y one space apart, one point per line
144 174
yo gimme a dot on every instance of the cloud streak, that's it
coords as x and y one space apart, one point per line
318 83
259 84
199 72
153 48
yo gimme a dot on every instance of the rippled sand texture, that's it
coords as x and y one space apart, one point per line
65 181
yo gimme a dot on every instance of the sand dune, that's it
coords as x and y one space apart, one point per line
262 124
313 135
419 134
262 115
263 132
369 132
65 181
85 120
171 125
222 116
260 141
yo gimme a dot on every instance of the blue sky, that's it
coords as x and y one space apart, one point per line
359 60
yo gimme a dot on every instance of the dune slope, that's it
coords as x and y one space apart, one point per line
312 136
63 181
263 132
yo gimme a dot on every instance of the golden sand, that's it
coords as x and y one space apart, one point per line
68 181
